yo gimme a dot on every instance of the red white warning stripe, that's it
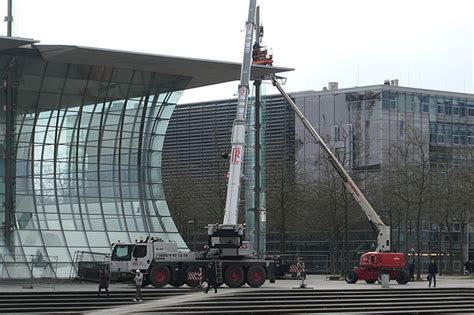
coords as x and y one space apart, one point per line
195 275
298 267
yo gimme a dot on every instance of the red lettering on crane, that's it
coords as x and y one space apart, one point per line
235 155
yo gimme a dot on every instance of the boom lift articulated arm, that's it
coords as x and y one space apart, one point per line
383 239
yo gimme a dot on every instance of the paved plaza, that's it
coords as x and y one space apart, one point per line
317 282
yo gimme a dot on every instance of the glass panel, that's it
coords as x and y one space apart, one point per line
53 238
169 224
78 167
122 252
115 237
75 238
139 251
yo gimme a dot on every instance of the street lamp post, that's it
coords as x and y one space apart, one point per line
467 240
194 222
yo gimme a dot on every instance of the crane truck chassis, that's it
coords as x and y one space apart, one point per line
162 263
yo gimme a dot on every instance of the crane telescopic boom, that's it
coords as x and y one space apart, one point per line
383 239
239 125
227 239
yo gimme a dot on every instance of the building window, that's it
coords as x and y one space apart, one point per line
441 138
470 112
456 139
470 140
426 108
456 110
393 104
401 102
386 100
337 136
456 227
440 109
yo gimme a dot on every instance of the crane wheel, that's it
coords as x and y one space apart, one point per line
160 276
403 277
192 277
256 276
234 276
371 281
351 277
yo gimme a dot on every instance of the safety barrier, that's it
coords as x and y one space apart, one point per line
297 268
28 266
86 265
195 275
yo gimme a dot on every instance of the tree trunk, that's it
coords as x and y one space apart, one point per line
418 238
461 249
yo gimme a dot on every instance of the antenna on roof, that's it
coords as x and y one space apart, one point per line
9 18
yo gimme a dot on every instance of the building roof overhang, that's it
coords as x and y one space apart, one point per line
14 42
201 71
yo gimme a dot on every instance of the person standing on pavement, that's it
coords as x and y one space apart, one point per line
411 270
468 267
432 271
103 282
211 277
138 285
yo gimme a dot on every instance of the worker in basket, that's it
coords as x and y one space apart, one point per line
260 55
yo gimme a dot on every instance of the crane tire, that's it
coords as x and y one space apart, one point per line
160 276
351 277
256 276
234 276
403 277
371 281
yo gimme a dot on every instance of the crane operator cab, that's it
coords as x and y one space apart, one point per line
261 56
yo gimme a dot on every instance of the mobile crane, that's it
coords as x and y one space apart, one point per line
162 263
371 264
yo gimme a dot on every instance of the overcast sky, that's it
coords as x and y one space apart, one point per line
427 44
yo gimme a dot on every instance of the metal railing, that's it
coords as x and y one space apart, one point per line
86 265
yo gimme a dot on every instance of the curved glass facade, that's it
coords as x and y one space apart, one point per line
87 147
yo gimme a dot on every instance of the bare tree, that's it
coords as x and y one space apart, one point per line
410 169
281 199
